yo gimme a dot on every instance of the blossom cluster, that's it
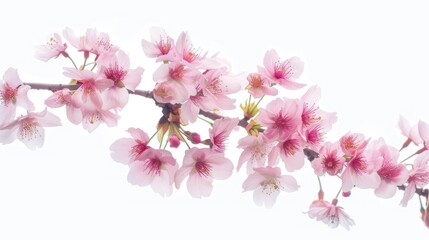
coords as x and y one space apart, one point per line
190 84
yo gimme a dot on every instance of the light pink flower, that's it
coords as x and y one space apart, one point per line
281 117
418 177
423 128
191 108
259 86
170 92
201 166
29 129
283 73
353 144
330 214
91 119
411 133
161 46
267 182
361 173
82 43
12 94
255 152
330 160
52 49
64 97
220 132
118 71
392 174
290 151
186 53
104 51
155 168
128 150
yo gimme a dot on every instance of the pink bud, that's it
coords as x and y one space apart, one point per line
174 141
195 138
347 194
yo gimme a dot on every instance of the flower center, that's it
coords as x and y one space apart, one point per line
203 168
256 81
389 172
28 129
164 46
138 149
270 186
8 95
115 73
153 166
358 165
290 146
178 72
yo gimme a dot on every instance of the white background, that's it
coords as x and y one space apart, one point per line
370 59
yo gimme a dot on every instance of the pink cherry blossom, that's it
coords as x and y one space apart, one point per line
201 166
281 117
418 177
423 128
290 151
392 174
170 92
353 144
82 43
161 46
191 108
13 93
259 86
186 53
118 71
52 49
104 51
155 168
29 129
91 119
128 150
255 152
174 141
330 214
361 173
64 97
411 133
220 132
267 182
283 73
330 160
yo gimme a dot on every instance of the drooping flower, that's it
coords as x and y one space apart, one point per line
267 182
91 119
330 160
29 129
161 46
330 214
283 73
418 177
64 97
128 150
255 151
82 43
220 132
411 133
52 49
156 168
201 166
12 94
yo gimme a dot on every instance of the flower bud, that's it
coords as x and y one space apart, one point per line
174 141
195 138
347 194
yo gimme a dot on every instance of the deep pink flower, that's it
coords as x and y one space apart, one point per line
283 73
411 133
52 49
12 94
330 214
418 177
128 150
330 160
361 173
281 117
64 97
161 46
259 86
174 141
290 151
267 182
201 166
255 152
29 129
220 132
353 144
155 168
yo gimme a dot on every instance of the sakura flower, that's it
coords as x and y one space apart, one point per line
267 182
170 92
64 97
423 128
29 129
118 71
12 94
52 49
411 133
353 144
201 166
191 108
128 150
259 86
82 43
283 73
155 168
418 177
186 53
104 51
91 119
392 174
330 214
281 117
220 132
161 46
360 172
255 151
290 151
330 160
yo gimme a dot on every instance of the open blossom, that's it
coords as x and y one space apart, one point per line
52 49
118 71
290 151
91 119
361 173
392 173
156 168
267 182
161 46
12 94
220 132
187 54
201 166
418 177
330 214
330 160
29 129
191 108
260 86
284 72
255 151
281 117
64 97
82 43
353 144
128 150
411 133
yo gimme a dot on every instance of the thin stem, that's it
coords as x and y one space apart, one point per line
162 139
71 59
256 105
95 64
412 155
338 194
320 183
153 135
165 145
84 64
